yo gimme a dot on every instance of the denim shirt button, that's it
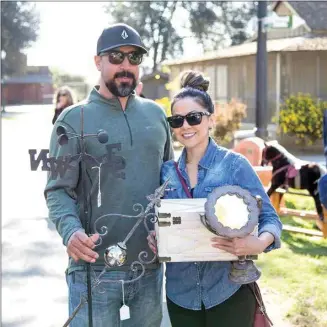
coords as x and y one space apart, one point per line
198 284
195 263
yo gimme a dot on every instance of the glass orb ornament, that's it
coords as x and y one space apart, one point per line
115 255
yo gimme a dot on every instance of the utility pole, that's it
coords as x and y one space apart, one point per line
261 102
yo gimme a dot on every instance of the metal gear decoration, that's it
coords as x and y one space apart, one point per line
243 271
213 221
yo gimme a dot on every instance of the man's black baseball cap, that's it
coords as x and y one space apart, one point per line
119 35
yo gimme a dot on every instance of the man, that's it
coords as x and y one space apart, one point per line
139 142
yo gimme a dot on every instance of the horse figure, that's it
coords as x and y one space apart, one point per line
289 171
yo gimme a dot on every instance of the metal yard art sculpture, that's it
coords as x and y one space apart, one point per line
115 254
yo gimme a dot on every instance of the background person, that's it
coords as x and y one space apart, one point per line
63 98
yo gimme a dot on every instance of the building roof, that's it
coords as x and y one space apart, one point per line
313 12
29 79
250 48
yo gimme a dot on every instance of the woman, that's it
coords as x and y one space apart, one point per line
200 294
63 98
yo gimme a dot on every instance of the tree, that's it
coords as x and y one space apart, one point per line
61 78
153 20
215 22
164 25
77 83
19 28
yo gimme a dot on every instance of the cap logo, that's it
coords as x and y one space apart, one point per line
124 35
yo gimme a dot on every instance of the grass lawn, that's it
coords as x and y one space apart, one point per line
298 271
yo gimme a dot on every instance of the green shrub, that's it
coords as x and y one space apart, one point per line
302 116
165 104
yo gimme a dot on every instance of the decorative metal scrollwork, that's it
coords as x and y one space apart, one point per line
115 254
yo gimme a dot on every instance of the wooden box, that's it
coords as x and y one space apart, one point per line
181 236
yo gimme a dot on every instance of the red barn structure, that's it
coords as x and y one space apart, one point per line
34 87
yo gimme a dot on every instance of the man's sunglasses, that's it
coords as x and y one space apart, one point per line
117 57
192 118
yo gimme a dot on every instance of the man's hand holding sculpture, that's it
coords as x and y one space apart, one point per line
80 246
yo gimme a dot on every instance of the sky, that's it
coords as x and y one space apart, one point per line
68 35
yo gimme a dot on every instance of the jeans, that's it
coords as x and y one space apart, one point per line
143 297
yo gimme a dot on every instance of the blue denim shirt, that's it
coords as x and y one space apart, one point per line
188 284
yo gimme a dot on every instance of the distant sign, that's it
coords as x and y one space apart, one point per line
273 21
278 22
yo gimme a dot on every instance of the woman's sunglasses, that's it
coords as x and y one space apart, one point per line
117 57
63 94
192 118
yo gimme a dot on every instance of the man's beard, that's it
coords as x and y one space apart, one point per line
124 89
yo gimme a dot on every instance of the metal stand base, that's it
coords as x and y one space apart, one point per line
244 272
